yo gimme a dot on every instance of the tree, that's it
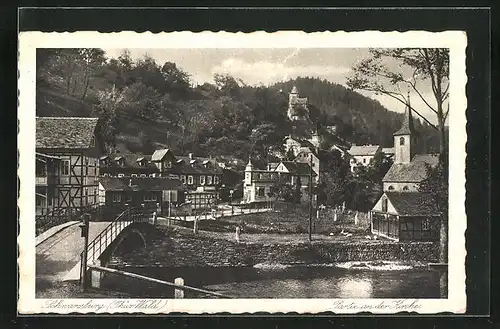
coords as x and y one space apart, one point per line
332 189
108 103
282 189
228 85
436 185
92 59
264 137
176 80
424 64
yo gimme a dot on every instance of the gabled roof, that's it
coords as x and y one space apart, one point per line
158 155
360 150
388 150
413 203
65 132
415 171
298 168
430 159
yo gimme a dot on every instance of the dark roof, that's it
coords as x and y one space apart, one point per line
407 126
415 171
65 132
140 184
298 168
413 203
430 159
130 161
359 150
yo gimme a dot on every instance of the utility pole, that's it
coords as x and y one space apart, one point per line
310 197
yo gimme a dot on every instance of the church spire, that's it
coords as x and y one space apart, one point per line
407 126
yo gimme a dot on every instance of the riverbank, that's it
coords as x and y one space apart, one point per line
180 247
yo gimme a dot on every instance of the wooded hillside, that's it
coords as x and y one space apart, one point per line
144 105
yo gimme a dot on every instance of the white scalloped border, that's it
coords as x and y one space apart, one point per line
455 40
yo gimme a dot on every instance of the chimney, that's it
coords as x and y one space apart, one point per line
191 156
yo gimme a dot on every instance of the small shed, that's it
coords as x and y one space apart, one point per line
406 216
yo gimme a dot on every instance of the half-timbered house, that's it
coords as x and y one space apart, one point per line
67 166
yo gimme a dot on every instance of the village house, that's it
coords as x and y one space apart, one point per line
127 165
403 213
259 183
150 193
201 176
362 155
67 166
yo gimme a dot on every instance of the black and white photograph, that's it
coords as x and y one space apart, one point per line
283 166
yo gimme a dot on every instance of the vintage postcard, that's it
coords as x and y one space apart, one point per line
242 172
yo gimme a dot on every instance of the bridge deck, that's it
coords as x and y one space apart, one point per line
60 253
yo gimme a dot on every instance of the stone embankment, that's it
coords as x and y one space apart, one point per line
181 248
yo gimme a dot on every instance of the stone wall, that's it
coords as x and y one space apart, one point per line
180 249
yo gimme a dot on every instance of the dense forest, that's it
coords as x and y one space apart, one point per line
144 105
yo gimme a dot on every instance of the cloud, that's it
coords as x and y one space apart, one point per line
265 72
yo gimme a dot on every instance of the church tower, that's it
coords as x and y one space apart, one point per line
404 138
248 172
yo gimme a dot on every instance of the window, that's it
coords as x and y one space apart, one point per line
105 175
426 224
150 197
384 205
190 180
216 180
391 188
209 180
168 164
401 141
65 165
40 169
117 197
40 201
260 176
152 175
133 175
183 179
202 179
260 191
86 166
364 160
292 180
121 175
143 176
405 188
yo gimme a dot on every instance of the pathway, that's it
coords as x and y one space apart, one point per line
60 253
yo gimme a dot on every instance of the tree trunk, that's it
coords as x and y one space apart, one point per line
86 78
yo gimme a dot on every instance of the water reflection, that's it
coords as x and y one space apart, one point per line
355 288
290 282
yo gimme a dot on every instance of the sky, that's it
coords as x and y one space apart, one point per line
265 66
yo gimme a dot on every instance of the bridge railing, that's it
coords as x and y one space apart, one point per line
98 245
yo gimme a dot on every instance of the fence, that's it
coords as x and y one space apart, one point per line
98 245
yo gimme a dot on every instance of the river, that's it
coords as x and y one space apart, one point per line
278 281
